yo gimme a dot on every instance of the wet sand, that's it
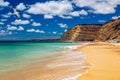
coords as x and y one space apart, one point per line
66 65
101 61
105 58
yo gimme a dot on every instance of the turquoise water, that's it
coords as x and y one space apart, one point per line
14 54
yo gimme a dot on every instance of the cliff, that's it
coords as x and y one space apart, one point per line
109 31
85 32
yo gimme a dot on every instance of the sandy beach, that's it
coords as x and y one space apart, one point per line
101 61
105 60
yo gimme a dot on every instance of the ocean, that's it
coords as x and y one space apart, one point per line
16 55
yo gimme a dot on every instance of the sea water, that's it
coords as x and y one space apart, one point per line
15 54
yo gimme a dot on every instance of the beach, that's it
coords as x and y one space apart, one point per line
93 61
105 60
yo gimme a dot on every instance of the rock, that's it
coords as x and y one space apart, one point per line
109 31
85 32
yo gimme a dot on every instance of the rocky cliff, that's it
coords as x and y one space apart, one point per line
109 31
85 32
105 32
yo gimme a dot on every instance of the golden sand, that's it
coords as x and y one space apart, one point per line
105 58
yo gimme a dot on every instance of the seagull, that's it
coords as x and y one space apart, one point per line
16 13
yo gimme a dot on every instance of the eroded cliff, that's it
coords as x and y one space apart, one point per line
108 31
85 32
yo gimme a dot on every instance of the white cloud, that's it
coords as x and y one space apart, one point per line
4 3
20 28
36 24
102 21
65 16
99 6
53 8
12 28
115 17
62 25
1 23
10 33
5 16
37 31
21 7
26 16
3 32
48 16
18 22
3 20
78 13
9 13
31 30
54 32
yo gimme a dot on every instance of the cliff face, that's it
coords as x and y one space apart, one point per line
109 31
81 33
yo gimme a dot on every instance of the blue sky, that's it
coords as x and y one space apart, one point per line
38 19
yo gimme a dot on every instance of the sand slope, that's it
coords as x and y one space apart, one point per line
105 59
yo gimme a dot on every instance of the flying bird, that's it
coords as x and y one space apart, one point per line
16 13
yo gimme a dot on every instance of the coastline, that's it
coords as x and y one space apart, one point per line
68 64
95 61
105 60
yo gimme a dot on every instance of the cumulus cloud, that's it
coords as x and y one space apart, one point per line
3 20
21 7
7 15
78 13
2 32
115 17
36 24
20 22
37 31
4 3
20 28
54 32
62 25
53 8
102 21
48 16
26 16
66 10
12 28
31 30
99 6
40 31
1 23
66 16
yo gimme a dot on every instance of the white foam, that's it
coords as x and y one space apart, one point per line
71 47
73 78
72 55
68 59
67 64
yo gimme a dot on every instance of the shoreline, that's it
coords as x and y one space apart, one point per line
84 62
61 66
105 58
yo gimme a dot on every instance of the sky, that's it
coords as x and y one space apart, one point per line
43 19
